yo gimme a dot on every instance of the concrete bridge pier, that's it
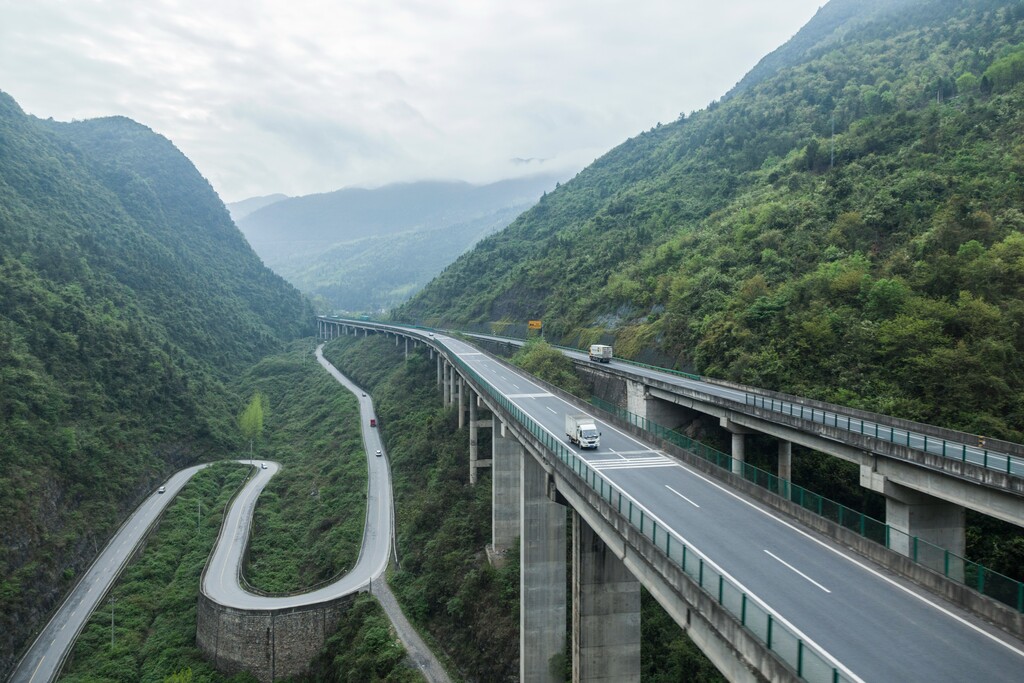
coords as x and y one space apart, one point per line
739 435
447 384
605 612
542 575
640 402
929 519
461 399
440 368
475 425
506 456
785 465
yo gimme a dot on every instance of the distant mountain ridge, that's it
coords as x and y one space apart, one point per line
369 249
240 210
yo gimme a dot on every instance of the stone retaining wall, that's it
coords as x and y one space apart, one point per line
269 644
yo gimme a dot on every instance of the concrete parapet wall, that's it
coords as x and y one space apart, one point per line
837 441
733 649
958 593
269 644
896 422
991 610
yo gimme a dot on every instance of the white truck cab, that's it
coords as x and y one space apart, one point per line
582 431
600 353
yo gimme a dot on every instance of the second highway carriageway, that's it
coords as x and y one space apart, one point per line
823 604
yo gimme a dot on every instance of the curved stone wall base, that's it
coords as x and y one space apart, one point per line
269 644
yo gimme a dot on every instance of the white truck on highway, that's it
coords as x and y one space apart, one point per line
601 353
581 431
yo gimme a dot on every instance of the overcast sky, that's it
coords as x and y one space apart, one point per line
305 96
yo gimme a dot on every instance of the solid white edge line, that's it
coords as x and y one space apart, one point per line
753 596
865 567
877 574
681 496
789 566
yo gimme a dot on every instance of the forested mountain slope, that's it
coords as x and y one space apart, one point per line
882 266
127 296
370 249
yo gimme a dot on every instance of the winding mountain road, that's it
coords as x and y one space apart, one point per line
221 580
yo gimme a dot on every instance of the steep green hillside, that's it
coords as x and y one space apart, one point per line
881 267
367 250
127 297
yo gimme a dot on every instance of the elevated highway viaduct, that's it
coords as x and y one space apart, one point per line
766 591
928 475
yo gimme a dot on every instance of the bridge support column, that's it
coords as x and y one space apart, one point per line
785 468
605 612
407 348
461 384
541 576
474 452
931 520
738 443
440 368
506 457
660 412
635 398
447 384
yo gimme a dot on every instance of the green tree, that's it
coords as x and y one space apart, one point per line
250 421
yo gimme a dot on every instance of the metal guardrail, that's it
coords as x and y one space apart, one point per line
1001 462
972 574
769 629
954 450
806 659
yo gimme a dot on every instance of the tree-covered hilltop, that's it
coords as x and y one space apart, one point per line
127 298
881 265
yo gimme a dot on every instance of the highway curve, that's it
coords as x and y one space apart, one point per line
44 659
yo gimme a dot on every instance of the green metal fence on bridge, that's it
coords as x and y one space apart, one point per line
809 663
986 581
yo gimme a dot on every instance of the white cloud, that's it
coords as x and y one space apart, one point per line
307 96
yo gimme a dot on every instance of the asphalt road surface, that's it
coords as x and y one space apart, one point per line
42 661
221 579
975 452
876 626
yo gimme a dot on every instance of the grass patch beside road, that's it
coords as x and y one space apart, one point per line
445 585
154 603
308 523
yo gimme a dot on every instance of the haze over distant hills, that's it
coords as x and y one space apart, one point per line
240 210
369 249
